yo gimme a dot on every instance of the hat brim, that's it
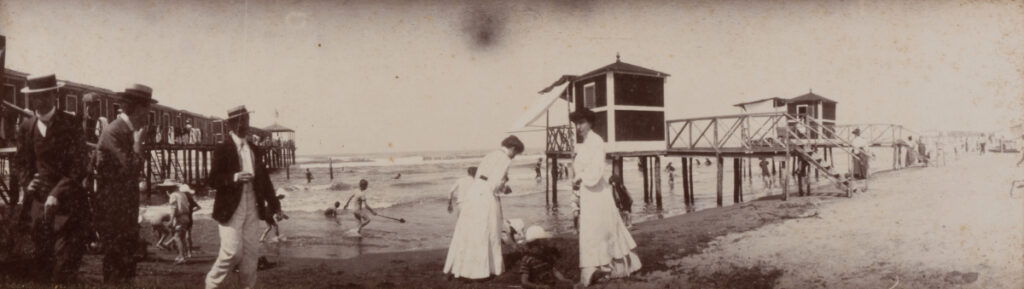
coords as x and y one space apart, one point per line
137 98
27 90
241 114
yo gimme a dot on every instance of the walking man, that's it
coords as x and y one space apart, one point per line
119 160
51 161
245 198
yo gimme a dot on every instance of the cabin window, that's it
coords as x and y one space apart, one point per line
801 112
71 104
589 95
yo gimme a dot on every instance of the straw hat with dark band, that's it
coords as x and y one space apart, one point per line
42 83
138 93
238 111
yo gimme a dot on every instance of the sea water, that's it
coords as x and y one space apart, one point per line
420 196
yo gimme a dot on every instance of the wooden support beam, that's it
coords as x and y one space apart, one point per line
644 171
693 199
737 179
547 182
657 181
554 182
685 170
718 180
785 180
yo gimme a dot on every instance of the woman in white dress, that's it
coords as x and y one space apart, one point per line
475 250
605 243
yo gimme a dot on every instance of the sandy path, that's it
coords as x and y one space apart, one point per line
943 227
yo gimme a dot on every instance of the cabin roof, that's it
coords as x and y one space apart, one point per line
810 96
277 128
760 100
619 66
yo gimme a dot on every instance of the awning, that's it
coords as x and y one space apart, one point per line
532 112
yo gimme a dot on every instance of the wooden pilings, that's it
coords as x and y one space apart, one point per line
737 180
718 180
553 170
657 181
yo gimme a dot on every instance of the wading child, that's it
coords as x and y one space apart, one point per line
361 206
537 268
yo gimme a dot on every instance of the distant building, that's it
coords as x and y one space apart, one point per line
809 108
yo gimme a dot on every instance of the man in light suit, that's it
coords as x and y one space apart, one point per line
245 198
119 160
51 160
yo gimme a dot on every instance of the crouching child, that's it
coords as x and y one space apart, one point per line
537 267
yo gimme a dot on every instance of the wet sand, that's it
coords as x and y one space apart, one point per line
943 227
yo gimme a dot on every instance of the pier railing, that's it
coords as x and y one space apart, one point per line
878 134
560 139
731 133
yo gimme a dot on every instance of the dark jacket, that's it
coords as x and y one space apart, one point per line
222 172
59 158
118 168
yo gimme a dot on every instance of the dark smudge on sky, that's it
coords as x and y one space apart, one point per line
484 26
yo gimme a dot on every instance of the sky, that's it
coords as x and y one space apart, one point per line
379 76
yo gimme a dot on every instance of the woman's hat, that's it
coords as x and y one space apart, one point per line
536 233
583 114
42 83
138 93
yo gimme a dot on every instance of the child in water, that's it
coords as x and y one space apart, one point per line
361 206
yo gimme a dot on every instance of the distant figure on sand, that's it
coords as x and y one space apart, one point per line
309 176
272 224
475 250
399 176
458 191
604 241
361 206
911 159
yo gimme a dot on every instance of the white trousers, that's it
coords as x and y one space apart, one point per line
239 244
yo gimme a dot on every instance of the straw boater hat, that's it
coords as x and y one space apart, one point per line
536 233
238 111
138 93
42 83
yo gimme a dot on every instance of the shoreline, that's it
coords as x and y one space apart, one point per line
659 241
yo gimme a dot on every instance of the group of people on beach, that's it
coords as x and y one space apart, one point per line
605 244
80 178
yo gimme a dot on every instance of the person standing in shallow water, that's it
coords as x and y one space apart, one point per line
475 250
361 206
309 176
604 241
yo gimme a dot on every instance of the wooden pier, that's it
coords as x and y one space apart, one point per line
789 141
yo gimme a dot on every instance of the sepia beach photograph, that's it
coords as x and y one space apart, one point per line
511 144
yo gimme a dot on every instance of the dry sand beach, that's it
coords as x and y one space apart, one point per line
935 227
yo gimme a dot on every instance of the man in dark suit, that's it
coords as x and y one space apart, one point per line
119 160
51 159
245 196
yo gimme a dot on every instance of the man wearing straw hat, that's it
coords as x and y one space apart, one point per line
245 197
119 160
51 160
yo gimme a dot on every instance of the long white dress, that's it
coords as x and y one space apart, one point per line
604 239
475 250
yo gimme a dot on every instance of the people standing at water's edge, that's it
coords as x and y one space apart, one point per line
671 172
361 206
537 167
475 250
245 196
458 190
309 176
51 162
604 239
766 174
862 160
119 159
